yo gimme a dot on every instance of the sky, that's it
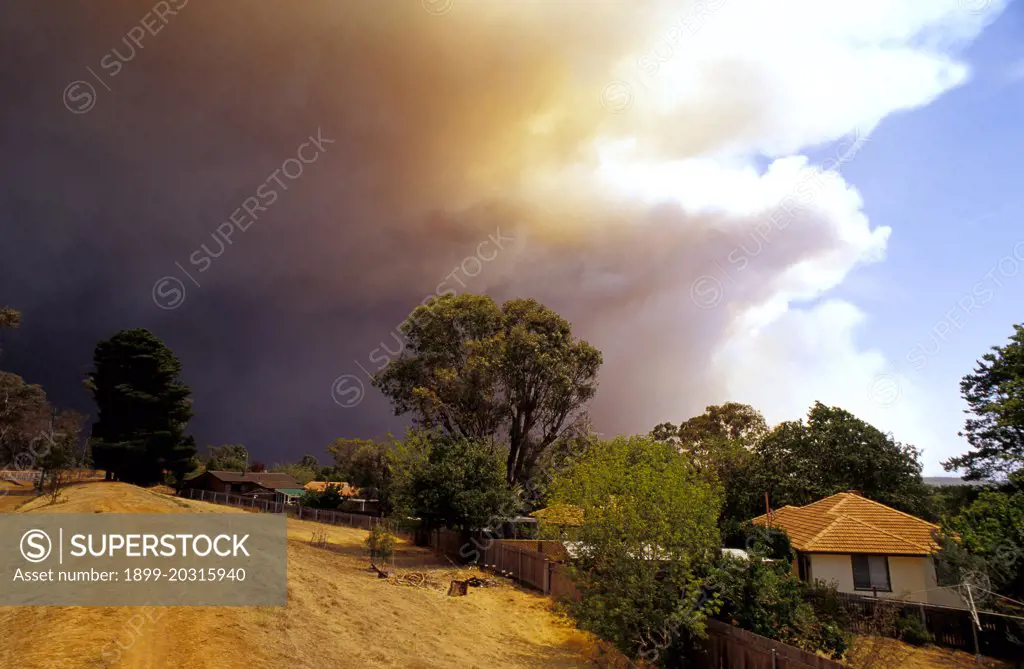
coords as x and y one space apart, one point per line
771 205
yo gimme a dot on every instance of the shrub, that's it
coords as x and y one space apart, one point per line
329 498
380 543
912 631
765 598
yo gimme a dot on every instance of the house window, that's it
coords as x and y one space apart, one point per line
871 572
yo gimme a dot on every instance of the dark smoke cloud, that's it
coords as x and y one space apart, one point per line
443 130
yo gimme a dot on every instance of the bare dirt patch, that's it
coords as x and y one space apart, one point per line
339 614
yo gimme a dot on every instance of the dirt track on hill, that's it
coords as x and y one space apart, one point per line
339 615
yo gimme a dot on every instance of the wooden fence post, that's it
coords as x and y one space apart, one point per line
547 577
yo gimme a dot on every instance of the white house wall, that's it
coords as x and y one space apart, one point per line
912 578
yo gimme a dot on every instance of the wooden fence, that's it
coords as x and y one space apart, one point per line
357 520
32 475
529 563
949 626
540 567
729 647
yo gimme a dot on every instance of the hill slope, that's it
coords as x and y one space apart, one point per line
339 615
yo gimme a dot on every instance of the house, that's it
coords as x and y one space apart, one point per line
274 486
864 547
344 488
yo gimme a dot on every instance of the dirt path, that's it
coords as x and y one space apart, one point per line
339 615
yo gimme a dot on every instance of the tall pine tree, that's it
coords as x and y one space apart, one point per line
143 409
995 426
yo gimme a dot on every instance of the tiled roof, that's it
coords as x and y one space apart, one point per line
344 488
849 523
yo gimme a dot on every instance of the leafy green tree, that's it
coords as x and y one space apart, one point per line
834 451
328 498
143 409
449 481
722 441
987 539
513 374
343 451
649 531
995 430
301 473
228 458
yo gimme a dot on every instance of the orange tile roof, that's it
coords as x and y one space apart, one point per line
849 523
344 488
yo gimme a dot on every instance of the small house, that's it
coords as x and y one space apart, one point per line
864 548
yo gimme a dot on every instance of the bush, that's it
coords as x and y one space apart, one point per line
329 498
912 631
380 543
766 599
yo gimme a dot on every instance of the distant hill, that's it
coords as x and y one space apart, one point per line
948 480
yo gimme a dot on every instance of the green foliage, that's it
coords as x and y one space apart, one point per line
722 441
765 598
365 464
834 451
229 457
648 530
297 471
60 452
911 630
143 409
477 371
986 539
770 542
995 430
328 498
449 481
380 543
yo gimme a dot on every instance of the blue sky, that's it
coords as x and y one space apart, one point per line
947 179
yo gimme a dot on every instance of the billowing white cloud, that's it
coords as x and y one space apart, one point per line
691 115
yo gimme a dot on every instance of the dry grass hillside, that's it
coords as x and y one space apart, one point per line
339 614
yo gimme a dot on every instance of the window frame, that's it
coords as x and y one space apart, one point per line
870 588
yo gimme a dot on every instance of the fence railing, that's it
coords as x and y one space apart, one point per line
544 572
515 559
35 474
326 516
950 627
728 646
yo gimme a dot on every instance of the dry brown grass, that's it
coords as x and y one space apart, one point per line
866 651
339 614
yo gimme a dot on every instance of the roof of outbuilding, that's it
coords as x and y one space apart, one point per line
849 523
344 489
272 480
